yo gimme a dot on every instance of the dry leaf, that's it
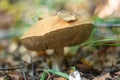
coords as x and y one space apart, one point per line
75 76
16 76
67 16
118 73
103 77
1 78
109 9
61 78
6 19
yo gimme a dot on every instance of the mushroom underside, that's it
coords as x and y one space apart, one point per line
58 38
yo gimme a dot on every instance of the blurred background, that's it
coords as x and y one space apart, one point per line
17 16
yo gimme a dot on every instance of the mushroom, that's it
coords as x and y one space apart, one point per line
55 33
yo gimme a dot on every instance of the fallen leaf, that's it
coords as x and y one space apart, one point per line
75 76
67 16
103 77
61 78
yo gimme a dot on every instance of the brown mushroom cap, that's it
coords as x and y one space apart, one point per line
53 32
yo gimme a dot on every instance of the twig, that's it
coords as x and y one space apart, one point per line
48 75
14 68
24 76
23 72
32 65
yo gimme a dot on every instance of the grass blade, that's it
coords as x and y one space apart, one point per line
43 75
95 42
59 73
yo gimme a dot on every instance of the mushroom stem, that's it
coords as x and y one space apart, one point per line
57 59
